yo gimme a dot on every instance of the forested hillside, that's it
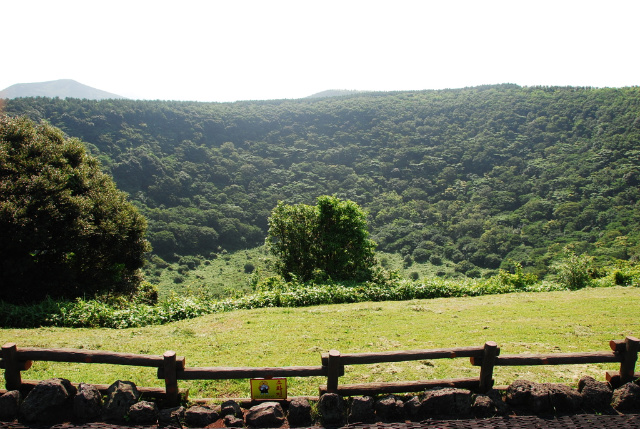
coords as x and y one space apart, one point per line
476 176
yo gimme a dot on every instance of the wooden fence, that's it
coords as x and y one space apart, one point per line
172 368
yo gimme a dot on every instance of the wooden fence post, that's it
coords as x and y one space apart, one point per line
491 350
170 379
628 364
12 377
333 371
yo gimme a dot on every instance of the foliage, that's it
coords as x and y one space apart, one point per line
484 175
272 291
573 270
518 279
66 230
328 241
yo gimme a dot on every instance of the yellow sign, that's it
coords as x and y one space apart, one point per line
268 388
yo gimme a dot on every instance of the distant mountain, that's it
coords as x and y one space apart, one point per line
63 88
335 93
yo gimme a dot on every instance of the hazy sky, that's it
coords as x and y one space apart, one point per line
271 49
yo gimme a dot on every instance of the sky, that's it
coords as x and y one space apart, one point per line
278 49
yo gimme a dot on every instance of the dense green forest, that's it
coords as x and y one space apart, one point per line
477 176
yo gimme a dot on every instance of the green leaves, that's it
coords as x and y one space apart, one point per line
329 240
66 230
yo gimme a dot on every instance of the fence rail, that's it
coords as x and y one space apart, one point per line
172 368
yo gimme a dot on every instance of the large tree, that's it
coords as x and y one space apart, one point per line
329 239
66 230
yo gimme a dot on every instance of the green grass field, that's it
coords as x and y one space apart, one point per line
583 320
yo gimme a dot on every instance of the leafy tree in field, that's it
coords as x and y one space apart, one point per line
66 230
326 240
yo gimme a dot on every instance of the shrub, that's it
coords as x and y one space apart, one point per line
519 280
435 259
572 271
421 255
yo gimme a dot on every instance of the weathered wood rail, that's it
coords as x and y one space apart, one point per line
172 368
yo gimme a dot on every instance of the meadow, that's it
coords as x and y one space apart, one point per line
524 322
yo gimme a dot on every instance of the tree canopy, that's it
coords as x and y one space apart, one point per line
474 177
327 240
66 230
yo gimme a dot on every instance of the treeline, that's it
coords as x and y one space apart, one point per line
478 176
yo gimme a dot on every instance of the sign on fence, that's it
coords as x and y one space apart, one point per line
268 388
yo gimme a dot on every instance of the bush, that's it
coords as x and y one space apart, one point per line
572 271
519 280
421 255
435 260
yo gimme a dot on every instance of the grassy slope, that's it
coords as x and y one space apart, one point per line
226 273
583 320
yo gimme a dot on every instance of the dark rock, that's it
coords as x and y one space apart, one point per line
171 416
331 409
519 393
232 421
489 405
543 397
265 415
68 386
48 401
9 405
447 401
87 403
362 410
121 395
390 409
554 398
198 416
299 413
144 413
626 398
596 395
483 406
412 409
230 408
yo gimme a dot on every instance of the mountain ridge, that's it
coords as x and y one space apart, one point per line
467 179
62 88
